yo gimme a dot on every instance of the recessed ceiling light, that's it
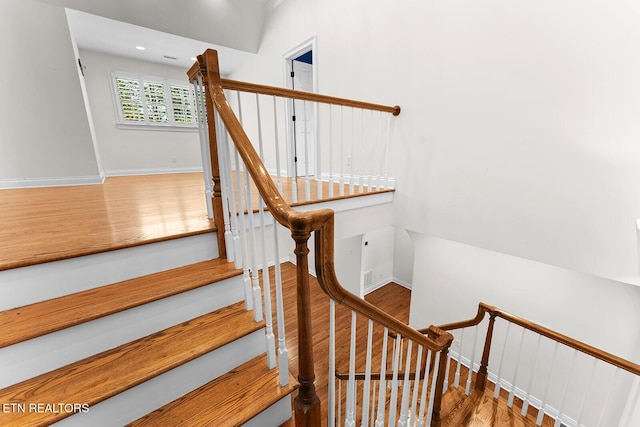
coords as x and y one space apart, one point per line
193 58
140 47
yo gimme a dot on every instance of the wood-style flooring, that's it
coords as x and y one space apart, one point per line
47 224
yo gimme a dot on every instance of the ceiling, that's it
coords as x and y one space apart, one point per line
100 34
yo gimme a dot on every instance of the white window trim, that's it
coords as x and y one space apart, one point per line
146 124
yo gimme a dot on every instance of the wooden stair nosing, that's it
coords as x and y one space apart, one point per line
99 377
230 400
41 318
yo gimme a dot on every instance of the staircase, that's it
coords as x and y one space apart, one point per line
152 335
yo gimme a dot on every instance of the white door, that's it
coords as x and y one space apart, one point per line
304 147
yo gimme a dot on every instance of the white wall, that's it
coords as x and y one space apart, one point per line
348 261
377 257
452 278
45 137
403 258
517 131
129 151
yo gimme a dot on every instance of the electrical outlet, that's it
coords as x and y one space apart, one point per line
348 160
174 159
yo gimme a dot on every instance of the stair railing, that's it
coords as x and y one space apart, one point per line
248 170
572 382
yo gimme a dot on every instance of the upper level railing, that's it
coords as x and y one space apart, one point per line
236 168
572 382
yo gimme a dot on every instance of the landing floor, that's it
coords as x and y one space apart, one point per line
39 225
52 223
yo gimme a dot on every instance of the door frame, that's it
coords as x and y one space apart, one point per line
302 48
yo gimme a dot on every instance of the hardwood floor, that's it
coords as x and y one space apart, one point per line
52 223
39 225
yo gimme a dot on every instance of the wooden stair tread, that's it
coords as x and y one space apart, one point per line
104 375
31 321
480 408
230 400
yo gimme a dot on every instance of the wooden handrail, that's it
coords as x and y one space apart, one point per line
301 225
484 308
296 94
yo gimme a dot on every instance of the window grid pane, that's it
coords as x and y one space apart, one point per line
182 105
156 102
130 99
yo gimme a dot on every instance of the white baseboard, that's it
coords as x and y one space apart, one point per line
50 182
158 171
385 282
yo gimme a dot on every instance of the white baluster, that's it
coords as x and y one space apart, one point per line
330 142
331 404
353 150
387 142
425 387
526 399
542 409
382 396
246 277
372 153
372 416
342 183
277 146
283 352
377 135
266 281
361 160
406 388
367 376
416 386
205 148
307 183
605 407
566 388
496 390
349 418
515 372
473 356
231 203
318 140
436 366
253 270
291 166
445 385
586 391
393 402
456 380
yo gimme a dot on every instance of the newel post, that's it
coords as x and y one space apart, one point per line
209 61
481 378
306 403
436 419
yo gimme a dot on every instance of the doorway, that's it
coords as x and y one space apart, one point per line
300 74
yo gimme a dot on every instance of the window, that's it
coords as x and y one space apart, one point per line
154 102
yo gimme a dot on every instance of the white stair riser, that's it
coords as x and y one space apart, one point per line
150 395
27 285
27 359
274 416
